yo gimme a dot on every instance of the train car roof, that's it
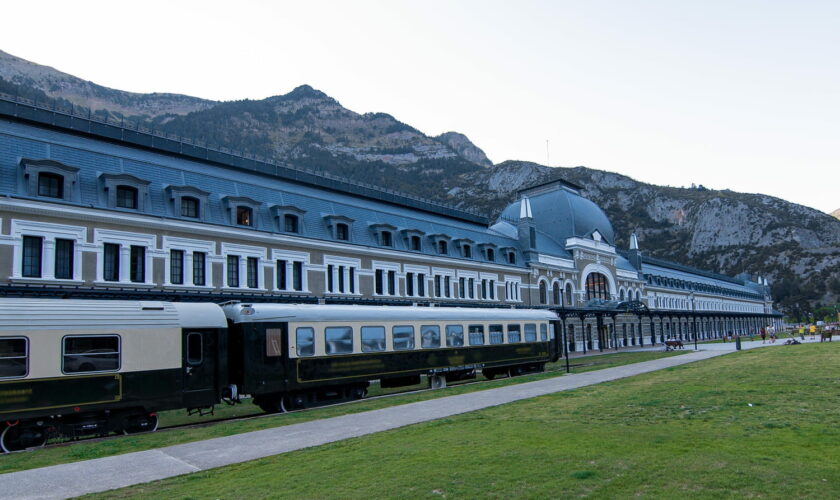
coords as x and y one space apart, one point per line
261 312
70 314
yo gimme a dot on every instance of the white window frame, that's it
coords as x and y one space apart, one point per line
243 252
125 240
49 232
347 262
424 270
385 267
513 286
291 257
188 246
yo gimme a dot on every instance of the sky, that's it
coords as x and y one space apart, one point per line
735 94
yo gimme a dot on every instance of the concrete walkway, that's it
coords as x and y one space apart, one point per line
73 479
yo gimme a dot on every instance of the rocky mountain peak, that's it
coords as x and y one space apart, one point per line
465 148
836 213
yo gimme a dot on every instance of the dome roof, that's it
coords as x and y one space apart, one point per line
560 212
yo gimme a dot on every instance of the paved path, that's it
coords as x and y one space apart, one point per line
73 479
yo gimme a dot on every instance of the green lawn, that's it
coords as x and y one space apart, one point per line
762 423
72 452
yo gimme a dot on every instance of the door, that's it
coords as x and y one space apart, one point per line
200 368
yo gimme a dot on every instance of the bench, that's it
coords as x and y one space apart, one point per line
671 345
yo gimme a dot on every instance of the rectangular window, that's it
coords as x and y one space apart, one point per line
189 207
409 284
126 197
32 251
233 271
530 332
403 337
14 357
437 286
543 332
373 338
497 334
483 289
199 278
297 276
244 216
378 282
476 334
341 279
274 342
290 223
50 185
176 267
281 274
342 232
351 277
305 341
447 287
92 353
338 339
471 287
253 268
137 271
430 336
421 285
111 262
514 334
330 278
462 288
386 239
492 289
195 348
454 335
64 255
392 282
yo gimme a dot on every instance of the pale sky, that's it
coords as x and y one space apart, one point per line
731 94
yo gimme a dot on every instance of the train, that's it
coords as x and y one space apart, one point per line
73 368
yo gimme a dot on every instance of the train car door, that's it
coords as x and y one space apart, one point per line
200 368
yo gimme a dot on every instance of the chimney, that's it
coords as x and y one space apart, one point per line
635 255
527 229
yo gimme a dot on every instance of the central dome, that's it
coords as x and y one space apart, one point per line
560 212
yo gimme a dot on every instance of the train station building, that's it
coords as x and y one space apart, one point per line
97 209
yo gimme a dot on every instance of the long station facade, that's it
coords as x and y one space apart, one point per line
97 209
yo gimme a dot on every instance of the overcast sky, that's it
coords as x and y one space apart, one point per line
731 94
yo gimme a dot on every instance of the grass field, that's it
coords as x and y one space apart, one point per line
763 423
72 452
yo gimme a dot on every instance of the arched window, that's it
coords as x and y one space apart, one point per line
621 295
555 294
543 293
596 287
568 294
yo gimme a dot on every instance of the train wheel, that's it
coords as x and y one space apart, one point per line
145 423
16 438
358 392
488 374
278 405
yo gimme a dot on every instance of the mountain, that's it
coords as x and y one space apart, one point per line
836 213
795 247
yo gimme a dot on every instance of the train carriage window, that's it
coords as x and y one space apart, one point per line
195 351
454 335
530 332
305 341
373 338
273 342
497 334
403 337
338 339
543 332
476 334
91 353
514 334
14 357
430 336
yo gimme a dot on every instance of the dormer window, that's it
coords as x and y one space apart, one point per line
466 251
466 246
415 243
126 191
190 207
243 210
342 231
50 179
440 243
488 250
50 185
511 257
340 226
490 254
244 216
127 197
413 239
443 248
384 233
387 239
289 219
291 223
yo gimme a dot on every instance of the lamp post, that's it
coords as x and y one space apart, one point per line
694 318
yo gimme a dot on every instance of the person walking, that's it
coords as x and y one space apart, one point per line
763 335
